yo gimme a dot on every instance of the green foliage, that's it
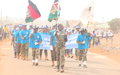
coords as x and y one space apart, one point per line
114 24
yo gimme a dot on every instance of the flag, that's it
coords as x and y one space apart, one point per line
87 13
55 11
32 12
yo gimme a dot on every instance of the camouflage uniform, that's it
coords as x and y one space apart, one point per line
14 46
82 55
35 53
60 49
24 50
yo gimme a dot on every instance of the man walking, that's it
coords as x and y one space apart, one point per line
61 38
35 41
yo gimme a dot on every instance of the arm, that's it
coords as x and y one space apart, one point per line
65 38
78 42
30 36
21 35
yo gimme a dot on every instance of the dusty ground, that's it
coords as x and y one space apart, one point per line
97 64
109 48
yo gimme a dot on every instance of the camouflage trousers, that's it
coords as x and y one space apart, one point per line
35 53
53 54
15 48
24 50
82 55
19 46
76 52
60 51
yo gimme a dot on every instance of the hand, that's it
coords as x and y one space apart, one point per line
39 42
83 42
22 38
36 43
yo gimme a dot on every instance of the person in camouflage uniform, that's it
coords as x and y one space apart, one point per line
61 38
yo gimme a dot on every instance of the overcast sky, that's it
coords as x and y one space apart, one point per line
70 9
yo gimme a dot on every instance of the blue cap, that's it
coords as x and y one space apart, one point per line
20 25
45 27
24 25
78 26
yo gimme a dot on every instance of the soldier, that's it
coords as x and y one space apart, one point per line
35 41
81 40
61 38
24 35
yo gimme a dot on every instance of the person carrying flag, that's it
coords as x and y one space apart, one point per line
61 38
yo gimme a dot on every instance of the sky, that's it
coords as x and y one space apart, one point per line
104 10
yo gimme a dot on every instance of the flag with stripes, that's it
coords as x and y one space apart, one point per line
32 12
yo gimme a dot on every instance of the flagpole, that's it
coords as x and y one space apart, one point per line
32 23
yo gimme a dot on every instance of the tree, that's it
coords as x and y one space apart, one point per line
114 24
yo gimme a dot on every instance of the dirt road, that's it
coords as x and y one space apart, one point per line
97 65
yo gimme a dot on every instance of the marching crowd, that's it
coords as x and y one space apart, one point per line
24 39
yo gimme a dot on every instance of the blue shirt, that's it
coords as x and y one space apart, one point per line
36 37
25 34
53 37
18 38
81 38
13 33
87 40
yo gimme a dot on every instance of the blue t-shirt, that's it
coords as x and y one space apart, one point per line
81 38
18 38
25 34
53 37
35 38
87 40
13 33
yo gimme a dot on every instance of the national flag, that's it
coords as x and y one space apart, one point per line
87 13
55 11
32 12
